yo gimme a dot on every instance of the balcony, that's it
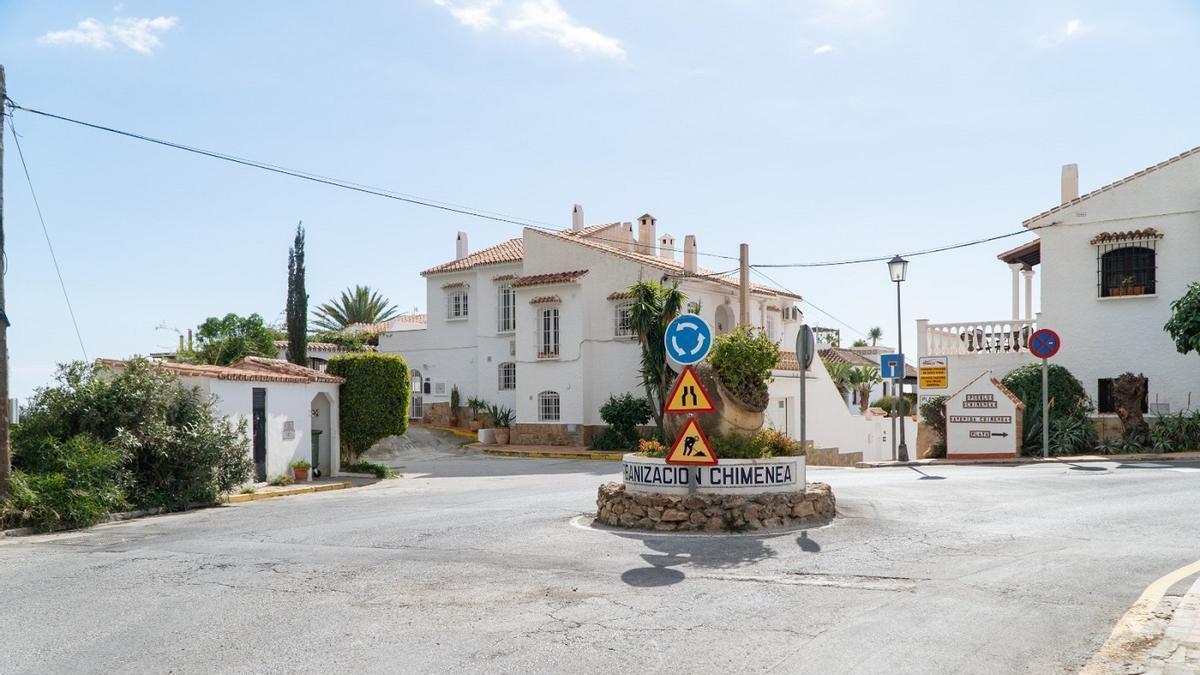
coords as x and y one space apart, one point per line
979 337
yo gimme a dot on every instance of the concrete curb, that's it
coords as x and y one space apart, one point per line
464 433
544 454
1021 461
284 492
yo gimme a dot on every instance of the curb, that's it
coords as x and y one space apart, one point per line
285 492
541 454
453 430
1021 461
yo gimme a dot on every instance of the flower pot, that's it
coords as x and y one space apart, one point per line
453 421
487 436
502 436
301 474
476 425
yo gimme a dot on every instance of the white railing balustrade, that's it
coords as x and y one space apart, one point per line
979 337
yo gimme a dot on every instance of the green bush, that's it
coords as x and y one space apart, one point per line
885 403
374 398
176 449
377 470
609 438
1176 433
281 480
1071 431
933 412
624 414
743 360
766 443
57 485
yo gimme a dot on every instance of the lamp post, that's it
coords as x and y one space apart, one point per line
898 269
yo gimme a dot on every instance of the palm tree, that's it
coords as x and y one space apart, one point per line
839 372
859 343
863 379
360 305
654 305
874 334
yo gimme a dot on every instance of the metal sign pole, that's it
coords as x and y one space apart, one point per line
1045 408
803 407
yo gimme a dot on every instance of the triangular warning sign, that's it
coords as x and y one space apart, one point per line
688 396
692 447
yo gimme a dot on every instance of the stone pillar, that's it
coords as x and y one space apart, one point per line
1016 290
1028 273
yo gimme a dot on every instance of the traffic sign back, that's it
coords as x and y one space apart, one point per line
692 447
1044 343
688 395
688 339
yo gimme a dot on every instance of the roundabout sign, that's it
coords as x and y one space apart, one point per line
687 339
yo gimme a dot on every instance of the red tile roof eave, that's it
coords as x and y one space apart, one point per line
547 278
235 374
1027 222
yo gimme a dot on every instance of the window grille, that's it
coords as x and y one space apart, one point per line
622 315
1126 268
549 406
506 309
508 376
457 304
548 334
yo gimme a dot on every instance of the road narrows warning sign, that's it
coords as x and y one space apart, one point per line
692 447
688 396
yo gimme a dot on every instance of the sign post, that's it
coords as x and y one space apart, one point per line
688 339
891 367
1043 344
806 344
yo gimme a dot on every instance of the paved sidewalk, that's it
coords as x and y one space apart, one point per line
1179 651
547 451
1071 459
318 485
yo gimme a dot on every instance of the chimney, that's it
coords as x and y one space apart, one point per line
460 246
646 243
666 247
689 254
577 218
625 235
181 342
189 339
1070 182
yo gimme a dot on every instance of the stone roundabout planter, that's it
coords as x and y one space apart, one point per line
737 494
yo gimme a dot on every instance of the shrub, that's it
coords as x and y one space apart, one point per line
885 403
282 480
1184 326
743 360
501 416
738 446
779 444
624 414
57 485
176 450
1176 433
377 470
650 447
933 411
1071 432
374 398
609 438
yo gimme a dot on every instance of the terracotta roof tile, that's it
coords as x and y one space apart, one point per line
249 369
1111 185
315 346
543 299
385 326
620 295
505 252
550 278
1105 237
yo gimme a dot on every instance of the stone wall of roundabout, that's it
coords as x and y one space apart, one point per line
735 495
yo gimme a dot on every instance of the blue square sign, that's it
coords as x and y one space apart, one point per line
891 366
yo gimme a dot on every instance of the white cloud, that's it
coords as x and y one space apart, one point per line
1070 30
140 35
823 49
544 19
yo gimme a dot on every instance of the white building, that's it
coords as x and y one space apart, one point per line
283 404
539 324
1112 261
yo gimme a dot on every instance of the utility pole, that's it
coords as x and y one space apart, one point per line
5 455
744 285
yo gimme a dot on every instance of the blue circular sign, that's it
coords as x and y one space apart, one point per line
688 339
1044 343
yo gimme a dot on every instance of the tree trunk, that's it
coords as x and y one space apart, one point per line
1130 391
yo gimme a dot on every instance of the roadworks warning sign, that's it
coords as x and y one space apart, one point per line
692 447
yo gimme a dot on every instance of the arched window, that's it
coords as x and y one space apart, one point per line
508 376
1128 270
549 407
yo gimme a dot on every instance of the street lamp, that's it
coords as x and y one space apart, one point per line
898 269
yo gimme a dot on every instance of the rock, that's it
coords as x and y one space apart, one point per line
754 524
803 510
694 503
627 520
731 503
654 514
664 527
697 518
753 512
674 516
771 523
636 509
714 525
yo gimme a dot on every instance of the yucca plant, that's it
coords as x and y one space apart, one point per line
357 305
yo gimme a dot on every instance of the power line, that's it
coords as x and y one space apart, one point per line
806 300
46 232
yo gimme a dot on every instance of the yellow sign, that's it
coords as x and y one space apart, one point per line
934 373
688 396
692 447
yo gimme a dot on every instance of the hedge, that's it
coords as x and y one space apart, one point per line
374 398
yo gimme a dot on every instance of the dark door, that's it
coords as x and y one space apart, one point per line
259 431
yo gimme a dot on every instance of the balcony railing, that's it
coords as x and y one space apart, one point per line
981 337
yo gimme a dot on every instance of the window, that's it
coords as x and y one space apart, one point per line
548 333
1106 399
622 313
549 407
508 376
457 304
1125 269
771 329
506 309
693 307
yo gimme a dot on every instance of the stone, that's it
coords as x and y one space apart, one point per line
694 503
664 527
753 512
674 516
627 520
803 510
754 524
636 509
770 523
730 503
714 525
697 518
654 514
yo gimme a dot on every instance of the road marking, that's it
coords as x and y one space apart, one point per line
1142 610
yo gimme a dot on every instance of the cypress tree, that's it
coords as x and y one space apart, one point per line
297 302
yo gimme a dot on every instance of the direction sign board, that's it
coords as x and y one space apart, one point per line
891 366
1044 343
933 373
688 339
688 395
692 447
983 421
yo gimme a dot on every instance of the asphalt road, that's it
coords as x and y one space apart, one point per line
477 564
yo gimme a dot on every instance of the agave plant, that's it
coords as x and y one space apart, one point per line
357 305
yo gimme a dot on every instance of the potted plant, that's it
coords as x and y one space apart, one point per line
1128 287
300 470
476 404
454 403
502 417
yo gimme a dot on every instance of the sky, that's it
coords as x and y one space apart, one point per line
811 130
